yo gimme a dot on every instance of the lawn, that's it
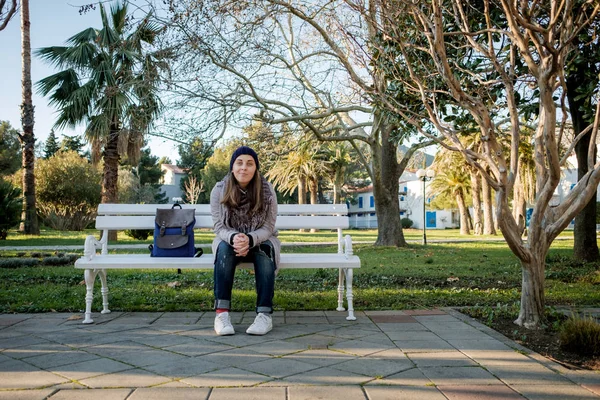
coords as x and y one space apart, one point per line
440 274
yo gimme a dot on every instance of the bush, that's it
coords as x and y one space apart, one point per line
406 223
581 335
138 234
18 262
10 207
68 191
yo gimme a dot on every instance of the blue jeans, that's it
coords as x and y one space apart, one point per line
262 256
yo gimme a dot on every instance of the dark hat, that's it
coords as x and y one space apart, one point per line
243 150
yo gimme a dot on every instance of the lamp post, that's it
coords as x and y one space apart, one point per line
425 175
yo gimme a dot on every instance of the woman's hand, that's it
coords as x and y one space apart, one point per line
241 244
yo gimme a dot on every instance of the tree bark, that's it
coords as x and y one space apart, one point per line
29 221
531 313
476 193
519 204
464 218
385 190
111 173
489 227
585 247
313 186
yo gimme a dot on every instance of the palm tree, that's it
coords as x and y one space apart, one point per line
29 221
453 180
110 82
300 168
339 159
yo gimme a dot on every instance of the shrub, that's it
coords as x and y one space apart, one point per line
18 262
10 207
581 335
406 223
68 191
138 234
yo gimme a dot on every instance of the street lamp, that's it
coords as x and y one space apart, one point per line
425 175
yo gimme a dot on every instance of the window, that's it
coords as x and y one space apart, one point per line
360 202
401 213
371 202
401 198
372 214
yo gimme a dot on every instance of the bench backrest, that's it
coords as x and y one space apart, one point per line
289 216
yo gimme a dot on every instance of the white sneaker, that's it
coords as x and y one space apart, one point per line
263 323
223 325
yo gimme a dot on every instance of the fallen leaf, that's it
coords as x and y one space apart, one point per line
74 317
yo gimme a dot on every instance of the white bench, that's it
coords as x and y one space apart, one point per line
141 216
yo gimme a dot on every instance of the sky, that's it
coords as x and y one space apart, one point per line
52 23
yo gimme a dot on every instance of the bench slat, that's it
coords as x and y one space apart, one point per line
122 222
204 209
136 261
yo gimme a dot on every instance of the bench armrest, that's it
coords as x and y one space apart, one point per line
90 246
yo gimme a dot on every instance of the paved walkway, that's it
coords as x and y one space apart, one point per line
422 355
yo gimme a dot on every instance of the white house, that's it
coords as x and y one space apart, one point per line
362 213
410 198
171 181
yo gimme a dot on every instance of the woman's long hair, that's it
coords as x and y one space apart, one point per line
232 195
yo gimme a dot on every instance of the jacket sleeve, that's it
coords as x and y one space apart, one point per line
268 230
221 231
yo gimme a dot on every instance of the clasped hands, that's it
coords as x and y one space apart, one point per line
241 245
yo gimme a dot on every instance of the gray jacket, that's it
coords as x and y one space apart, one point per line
223 232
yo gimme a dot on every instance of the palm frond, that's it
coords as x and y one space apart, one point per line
88 35
67 79
53 55
119 17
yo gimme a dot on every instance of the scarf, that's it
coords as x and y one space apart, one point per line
241 219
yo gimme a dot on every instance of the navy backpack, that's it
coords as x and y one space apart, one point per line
174 232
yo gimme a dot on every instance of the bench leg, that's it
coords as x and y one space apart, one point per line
340 306
90 278
349 296
102 275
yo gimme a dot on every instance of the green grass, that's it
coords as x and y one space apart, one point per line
49 237
441 274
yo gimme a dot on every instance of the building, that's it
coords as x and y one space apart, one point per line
171 182
410 198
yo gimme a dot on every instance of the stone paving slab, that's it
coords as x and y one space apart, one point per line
170 394
403 392
420 354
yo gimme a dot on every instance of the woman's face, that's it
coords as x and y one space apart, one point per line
244 169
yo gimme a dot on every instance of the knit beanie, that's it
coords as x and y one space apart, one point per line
243 150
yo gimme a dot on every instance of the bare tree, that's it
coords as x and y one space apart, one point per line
8 9
308 66
455 55
193 188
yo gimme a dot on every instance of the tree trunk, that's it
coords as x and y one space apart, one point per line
313 188
532 291
386 190
464 218
301 190
338 182
302 193
111 173
585 247
519 204
29 221
489 228
476 192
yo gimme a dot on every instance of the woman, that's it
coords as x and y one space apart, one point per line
244 211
